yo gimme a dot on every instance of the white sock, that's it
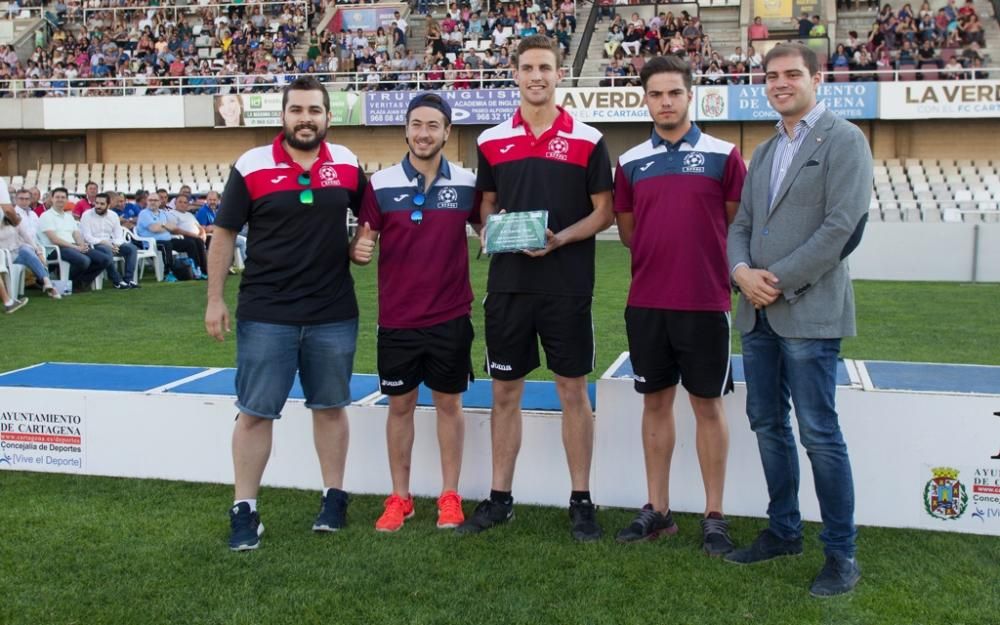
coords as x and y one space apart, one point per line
326 491
251 502
9 302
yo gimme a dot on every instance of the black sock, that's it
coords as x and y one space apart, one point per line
501 496
579 496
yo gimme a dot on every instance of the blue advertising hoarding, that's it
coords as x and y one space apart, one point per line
850 100
469 106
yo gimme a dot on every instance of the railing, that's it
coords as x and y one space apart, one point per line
194 9
583 47
243 83
416 80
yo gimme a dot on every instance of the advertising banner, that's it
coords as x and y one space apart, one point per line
850 100
965 496
492 106
367 19
603 104
937 99
264 109
43 438
468 106
775 10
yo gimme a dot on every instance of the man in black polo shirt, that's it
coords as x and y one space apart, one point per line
297 310
543 159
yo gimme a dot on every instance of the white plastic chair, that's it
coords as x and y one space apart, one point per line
149 252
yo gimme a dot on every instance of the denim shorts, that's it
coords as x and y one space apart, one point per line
269 354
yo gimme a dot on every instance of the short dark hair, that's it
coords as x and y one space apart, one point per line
140 194
106 196
305 83
538 42
161 190
667 64
58 190
793 49
89 182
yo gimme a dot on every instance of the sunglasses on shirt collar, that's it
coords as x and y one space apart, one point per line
306 195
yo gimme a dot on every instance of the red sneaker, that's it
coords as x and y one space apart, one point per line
397 510
450 510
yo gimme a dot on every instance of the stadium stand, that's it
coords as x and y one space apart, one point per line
914 190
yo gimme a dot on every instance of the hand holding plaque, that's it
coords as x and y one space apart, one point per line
516 232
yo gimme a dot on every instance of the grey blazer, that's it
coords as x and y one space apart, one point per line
818 213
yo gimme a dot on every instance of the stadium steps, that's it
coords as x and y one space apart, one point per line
722 25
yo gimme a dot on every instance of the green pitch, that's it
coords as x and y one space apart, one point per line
97 550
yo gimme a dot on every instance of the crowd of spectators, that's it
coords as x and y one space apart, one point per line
949 39
464 49
160 49
630 42
181 223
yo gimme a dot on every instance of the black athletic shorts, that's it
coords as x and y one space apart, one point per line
440 356
516 321
671 346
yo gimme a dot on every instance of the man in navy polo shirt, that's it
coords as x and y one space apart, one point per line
419 209
297 310
543 159
675 195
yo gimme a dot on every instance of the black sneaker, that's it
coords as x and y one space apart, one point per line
715 535
487 514
245 528
647 525
134 285
838 576
333 513
122 286
585 526
767 546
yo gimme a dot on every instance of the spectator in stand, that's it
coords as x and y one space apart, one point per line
130 212
953 70
633 40
19 236
840 58
864 64
757 30
613 40
86 203
186 225
972 31
805 25
102 230
818 28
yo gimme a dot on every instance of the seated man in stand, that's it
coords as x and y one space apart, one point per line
102 229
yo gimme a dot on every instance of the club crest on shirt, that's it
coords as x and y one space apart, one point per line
558 149
694 163
447 198
328 176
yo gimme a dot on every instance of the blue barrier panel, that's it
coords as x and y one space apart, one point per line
95 377
843 378
224 383
916 376
537 396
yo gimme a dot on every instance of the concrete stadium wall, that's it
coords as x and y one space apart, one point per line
947 252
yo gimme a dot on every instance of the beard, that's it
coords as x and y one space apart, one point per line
319 134
427 152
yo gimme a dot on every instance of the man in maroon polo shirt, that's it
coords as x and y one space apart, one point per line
675 195
418 210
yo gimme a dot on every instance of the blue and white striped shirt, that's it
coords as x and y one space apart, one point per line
787 148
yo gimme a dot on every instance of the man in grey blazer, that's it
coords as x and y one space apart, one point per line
802 211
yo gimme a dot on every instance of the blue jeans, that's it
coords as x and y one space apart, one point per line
804 370
26 256
84 267
127 251
269 354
